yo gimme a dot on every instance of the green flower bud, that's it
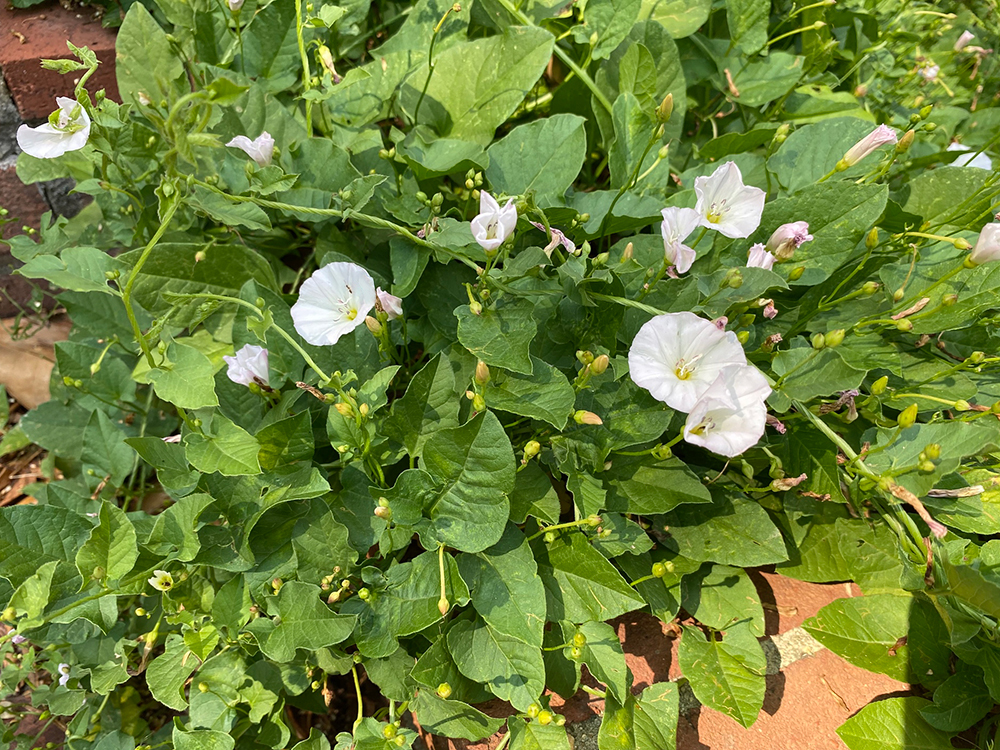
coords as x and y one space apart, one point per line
869 288
933 451
743 336
437 200
586 417
600 364
665 109
879 386
975 358
531 449
482 373
818 341
926 111
594 520
835 337
904 325
544 717
583 218
926 467
659 570
905 142
478 403
579 639
444 690
871 241
533 710
898 295
907 417
203 687
796 273
949 299
475 308
421 196
962 405
443 605
364 595
549 537
389 731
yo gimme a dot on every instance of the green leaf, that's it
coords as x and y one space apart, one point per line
932 194
473 467
546 394
286 441
680 18
305 622
611 20
748 23
506 589
812 151
215 708
449 718
535 736
652 489
633 126
897 635
726 673
809 452
227 212
617 729
478 84
186 378
104 447
175 531
430 157
57 427
224 447
893 724
716 594
580 584
31 597
321 544
202 739
167 673
144 60
33 535
544 156
960 701
81 269
429 405
655 717
733 531
111 546
499 336
512 670
605 659
816 373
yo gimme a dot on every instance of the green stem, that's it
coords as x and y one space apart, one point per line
624 301
430 63
558 526
127 292
357 692
306 74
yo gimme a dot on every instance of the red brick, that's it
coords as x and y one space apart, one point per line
788 602
31 34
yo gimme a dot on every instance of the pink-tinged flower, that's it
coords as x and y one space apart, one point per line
677 225
721 322
172 439
235 5
726 204
978 161
63 670
730 416
260 149
678 356
558 238
390 304
17 639
930 72
248 365
759 257
333 302
987 246
788 238
493 224
963 40
880 136
776 424
770 311
67 130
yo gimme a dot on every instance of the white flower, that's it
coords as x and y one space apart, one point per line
235 5
730 417
677 225
67 130
333 302
930 73
161 580
493 225
390 304
677 357
759 257
987 246
966 37
726 204
63 670
788 238
249 365
879 137
17 639
260 149
979 161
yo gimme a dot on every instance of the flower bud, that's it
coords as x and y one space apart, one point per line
373 325
437 200
444 690
531 449
975 358
594 520
389 731
907 417
659 570
583 218
344 409
584 357
665 109
533 710
550 537
203 687
475 308
384 513
904 325
835 337
586 417
879 137
871 241
933 451
898 294
987 247
733 279
544 717
818 341
482 373
926 467
796 273
662 452
743 336
478 403
905 142
421 196
628 253
962 405
869 288
579 639
663 153
949 299
600 364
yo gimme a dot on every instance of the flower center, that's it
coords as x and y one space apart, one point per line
491 229
704 426
685 369
352 313
716 211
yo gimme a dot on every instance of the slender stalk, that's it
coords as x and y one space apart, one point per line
306 74
430 63
127 291
357 692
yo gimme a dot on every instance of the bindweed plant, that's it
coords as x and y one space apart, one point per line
412 344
